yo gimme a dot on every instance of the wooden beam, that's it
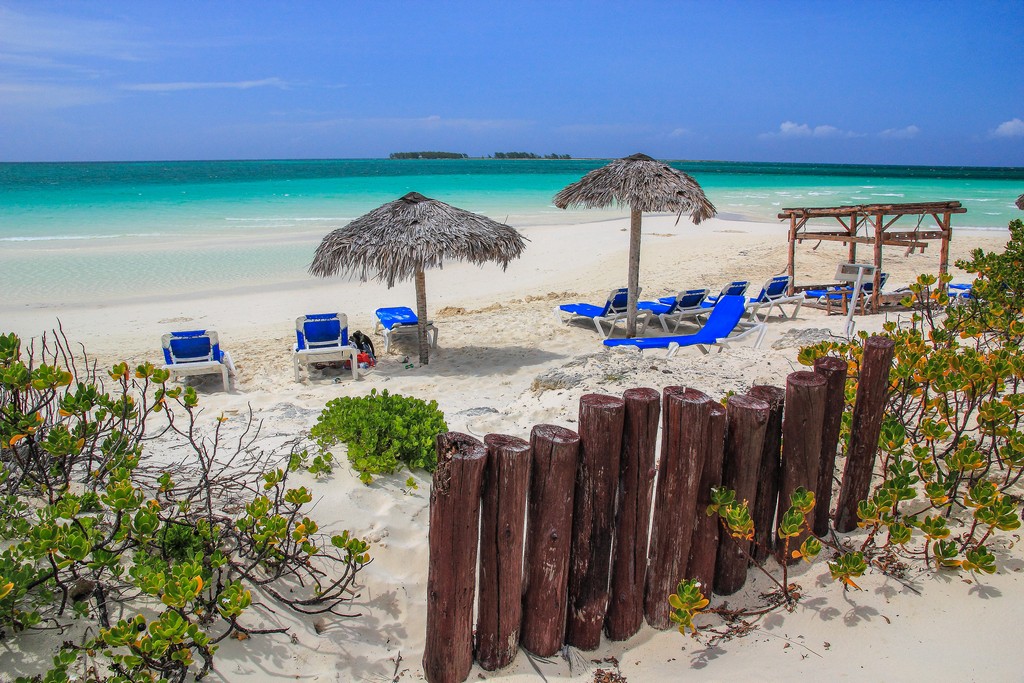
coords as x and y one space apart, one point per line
912 208
944 245
851 254
879 238
834 237
791 264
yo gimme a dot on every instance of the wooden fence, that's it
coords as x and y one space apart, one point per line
574 540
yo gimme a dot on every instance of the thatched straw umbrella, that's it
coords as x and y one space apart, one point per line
401 239
1020 202
642 184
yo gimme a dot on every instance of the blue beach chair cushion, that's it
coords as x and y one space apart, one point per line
196 352
322 337
396 319
613 310
723 321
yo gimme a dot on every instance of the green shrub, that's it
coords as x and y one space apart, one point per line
384 432
154 565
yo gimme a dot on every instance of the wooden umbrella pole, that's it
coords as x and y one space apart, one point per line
635 217
421 316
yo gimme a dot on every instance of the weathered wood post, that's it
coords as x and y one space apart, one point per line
451 572
548 533
868 409
769 472
744 443
684 429
801 447
593 518
502 529
833 369
704 544
633 516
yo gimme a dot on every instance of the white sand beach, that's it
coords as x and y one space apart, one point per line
497 335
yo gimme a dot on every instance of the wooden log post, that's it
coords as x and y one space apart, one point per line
833 369
684 429
704 544
593 518
801 448
868 410
548 532
768 473
744 444
451 573
502 530
633 517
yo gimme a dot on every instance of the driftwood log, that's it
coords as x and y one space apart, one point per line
868 410
502 530
704 544
833 369
683 446
633 516
548 531
451 573
768 473
801 448
593 518
744 444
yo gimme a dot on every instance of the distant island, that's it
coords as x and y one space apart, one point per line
428 155
460 155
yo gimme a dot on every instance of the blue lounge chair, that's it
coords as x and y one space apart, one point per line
725 319
323 337
841 294
683 306
774 294
961 291
397 319
734 288
196 352
613 310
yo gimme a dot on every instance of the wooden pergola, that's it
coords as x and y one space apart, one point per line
873 224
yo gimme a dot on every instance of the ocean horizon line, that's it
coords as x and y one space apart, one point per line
727 162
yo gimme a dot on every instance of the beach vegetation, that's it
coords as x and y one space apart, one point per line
952 439
383 432
428 155
529 155
146 564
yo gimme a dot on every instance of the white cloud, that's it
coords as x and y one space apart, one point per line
49 34
679 133
207 85
900 133
1014 128
793 130
31 96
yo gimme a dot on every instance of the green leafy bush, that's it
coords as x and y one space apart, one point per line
952 439
384 432
158 562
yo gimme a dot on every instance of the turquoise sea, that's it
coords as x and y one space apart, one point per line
82 232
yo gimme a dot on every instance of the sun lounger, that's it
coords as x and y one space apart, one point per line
398 319
196 352
683 306
723 327
841 295
613 310
774 294
320 338
735 288
961 291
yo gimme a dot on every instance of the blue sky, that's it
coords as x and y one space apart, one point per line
845 82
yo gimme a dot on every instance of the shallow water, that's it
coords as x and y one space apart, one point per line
86 231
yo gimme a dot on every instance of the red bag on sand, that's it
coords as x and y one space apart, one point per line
365 358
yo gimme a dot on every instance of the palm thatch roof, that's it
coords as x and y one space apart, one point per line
1020 202
641 183
412 234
